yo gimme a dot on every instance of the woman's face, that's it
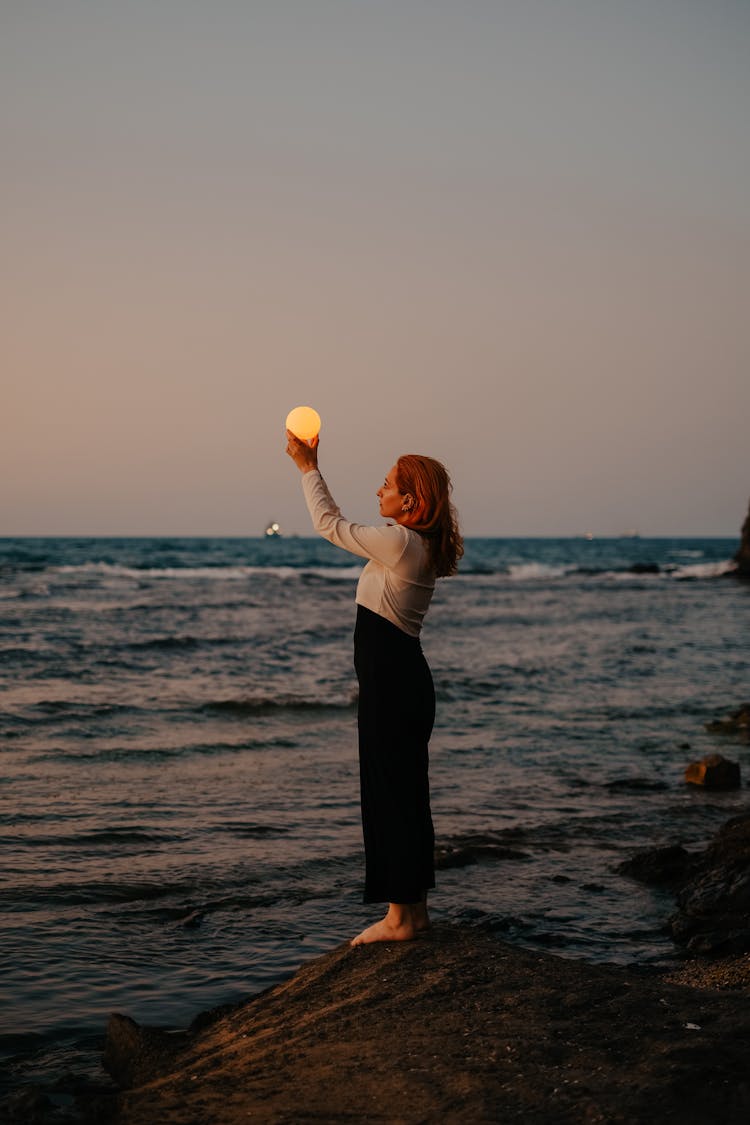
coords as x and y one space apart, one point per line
391 500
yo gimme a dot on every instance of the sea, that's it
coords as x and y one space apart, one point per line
179 802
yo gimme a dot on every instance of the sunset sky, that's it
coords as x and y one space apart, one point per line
513 235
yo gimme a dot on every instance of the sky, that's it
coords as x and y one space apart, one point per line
510 234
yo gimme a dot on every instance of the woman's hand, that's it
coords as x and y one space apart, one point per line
304 454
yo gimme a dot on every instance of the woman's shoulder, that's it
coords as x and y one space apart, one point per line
394 530
416 550
397 537
408 544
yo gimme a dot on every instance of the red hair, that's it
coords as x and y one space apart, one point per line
433 514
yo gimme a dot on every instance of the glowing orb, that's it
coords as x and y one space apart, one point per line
304 422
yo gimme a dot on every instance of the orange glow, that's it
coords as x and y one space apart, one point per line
304 422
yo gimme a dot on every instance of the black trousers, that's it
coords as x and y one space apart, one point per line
395 718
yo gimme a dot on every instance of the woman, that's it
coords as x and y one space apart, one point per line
396 697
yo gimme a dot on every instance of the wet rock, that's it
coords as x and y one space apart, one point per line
714 772
644 568
736 722
742 557
134 1054
713 907
732 843
658 866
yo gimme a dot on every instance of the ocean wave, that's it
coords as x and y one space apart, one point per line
24 655
252 831
53 709
534 571
96 891
636 784
101 837
466 850
176 643
258 704
162 753
222 573
704 570
529 571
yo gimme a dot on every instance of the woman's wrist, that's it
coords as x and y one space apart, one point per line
304 455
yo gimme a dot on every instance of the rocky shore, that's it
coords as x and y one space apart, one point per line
461 1027
457 1027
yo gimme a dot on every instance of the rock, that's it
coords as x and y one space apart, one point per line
644 568
121 1048
736 722
134 1054
742 557
657 866
713 912
714 772
732 844
713 889
461 1027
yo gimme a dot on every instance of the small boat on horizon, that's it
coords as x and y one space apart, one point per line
273 530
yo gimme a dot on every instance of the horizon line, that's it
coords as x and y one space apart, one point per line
586 536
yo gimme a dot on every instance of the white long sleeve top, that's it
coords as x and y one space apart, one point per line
398 580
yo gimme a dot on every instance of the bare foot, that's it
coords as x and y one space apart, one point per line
402 923
422 918
386 931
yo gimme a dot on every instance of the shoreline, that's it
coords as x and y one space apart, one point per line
455 1026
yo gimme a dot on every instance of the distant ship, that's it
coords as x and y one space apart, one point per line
273 529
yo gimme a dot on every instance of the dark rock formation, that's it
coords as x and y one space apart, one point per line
134 1054
713 888
742 558
714 772
713 914
737 722
461 1027
658 866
